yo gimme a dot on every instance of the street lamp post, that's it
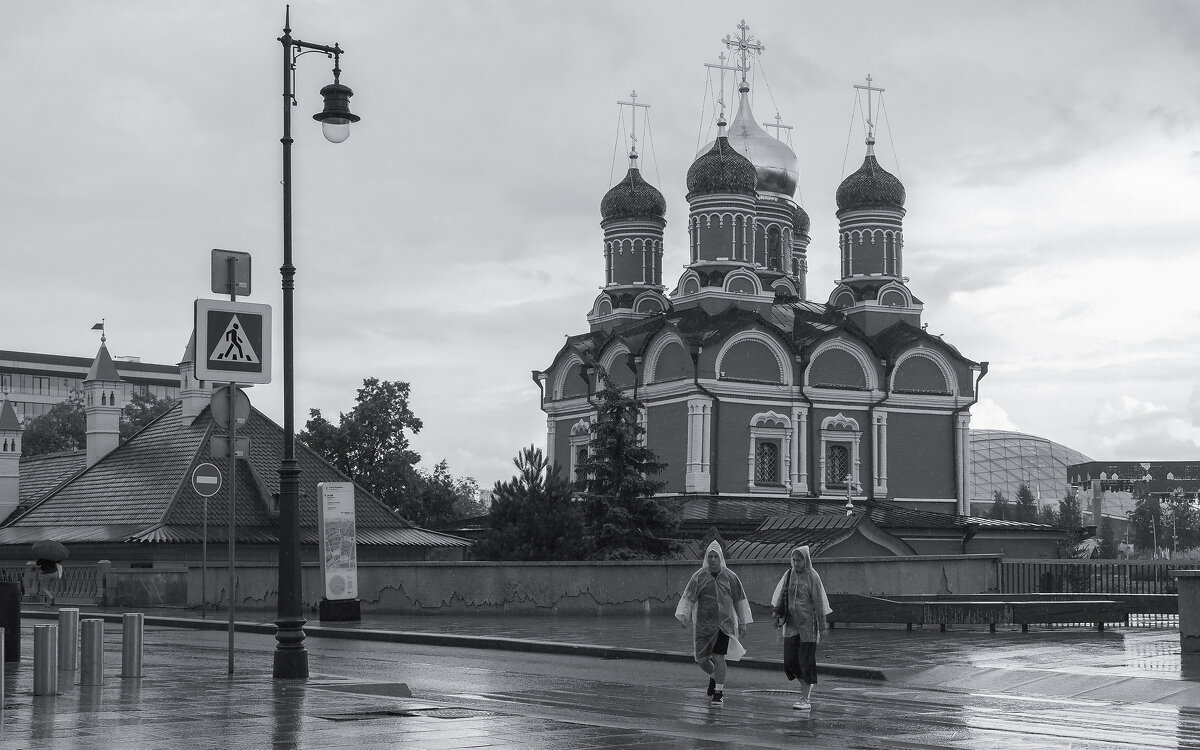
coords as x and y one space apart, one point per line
291 657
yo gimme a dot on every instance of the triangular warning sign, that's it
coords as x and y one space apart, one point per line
234 345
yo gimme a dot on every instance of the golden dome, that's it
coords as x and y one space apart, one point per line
776 163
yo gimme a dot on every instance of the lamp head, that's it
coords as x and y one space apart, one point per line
335 119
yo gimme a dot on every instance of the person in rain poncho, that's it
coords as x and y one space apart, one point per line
714 604
801 606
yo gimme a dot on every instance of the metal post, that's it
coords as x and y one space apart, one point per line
231 428
132 624
204 565
91 652
45 659
68 639
1 669
291 657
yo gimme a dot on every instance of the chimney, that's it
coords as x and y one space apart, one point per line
103 399
195 394
10 459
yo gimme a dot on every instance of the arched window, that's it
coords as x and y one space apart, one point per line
773 248
766 463
581 454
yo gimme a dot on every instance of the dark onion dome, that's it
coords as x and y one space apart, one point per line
871 185
633 198
721 170
802 222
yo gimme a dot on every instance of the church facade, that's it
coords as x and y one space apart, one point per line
751 390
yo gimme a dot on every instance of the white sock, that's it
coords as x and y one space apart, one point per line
720 686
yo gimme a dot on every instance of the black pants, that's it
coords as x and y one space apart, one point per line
800 660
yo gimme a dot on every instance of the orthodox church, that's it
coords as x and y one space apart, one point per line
752 391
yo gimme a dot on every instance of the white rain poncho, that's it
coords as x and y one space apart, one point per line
713 604
808 604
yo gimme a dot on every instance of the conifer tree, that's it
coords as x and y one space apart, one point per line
532 516
621 517
1027 509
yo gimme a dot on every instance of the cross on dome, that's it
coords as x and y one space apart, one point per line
722 67
870 113
633 106
778 125
744 45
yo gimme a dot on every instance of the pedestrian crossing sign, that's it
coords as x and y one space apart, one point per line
233 341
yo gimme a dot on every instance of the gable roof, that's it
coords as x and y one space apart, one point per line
142 491
40 474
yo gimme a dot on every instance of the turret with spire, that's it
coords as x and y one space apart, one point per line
103 399
10 458
195 394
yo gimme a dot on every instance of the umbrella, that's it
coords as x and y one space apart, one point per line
48 549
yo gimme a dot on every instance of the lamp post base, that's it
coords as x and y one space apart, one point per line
291 657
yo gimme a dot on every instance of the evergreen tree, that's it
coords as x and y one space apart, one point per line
532 516
621 517
1027 509
1108 541
1183 522
1070 513
1048 515
1146 522
63 428
999 509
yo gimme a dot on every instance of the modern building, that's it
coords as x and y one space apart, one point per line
1003 460
35 382
1109 489
761 401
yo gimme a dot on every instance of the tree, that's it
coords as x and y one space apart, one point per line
63 428
1108 541
1070 520
143 408
532 516
1048 515
621 517
999 509
1027 509
436 498
1146 521
1182 522
370 444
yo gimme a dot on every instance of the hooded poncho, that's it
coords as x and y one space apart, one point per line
712 605
807 601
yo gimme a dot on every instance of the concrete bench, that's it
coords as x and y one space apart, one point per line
1099 611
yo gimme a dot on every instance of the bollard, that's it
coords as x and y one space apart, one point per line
131 644
91 652
68 639
45 659
1 669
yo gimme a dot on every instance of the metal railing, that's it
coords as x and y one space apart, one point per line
78 581
1090 576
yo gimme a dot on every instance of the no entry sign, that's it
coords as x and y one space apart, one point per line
206 480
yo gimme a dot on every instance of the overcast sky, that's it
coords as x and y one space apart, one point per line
1050 152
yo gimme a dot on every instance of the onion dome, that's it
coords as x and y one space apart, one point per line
633 198
802 222
775 162
871 185
721 170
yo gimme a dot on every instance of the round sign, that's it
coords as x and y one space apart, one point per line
206 480
220 406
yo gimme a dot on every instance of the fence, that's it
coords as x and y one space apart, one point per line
1090 576
78 581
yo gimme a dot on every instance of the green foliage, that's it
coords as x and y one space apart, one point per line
532 516
1048 515
63 428
1070 512
370 444
1182 522
1027 509
1146 521
437 498
621 517
999 509
1108 541
143 408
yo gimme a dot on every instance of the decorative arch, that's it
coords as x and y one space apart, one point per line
948 382
870 379
689 283
772 346
581 447
602 306
671 367
742 282
567 370
614 363
786 287
648 303
844 298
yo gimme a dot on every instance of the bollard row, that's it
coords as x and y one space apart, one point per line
72 643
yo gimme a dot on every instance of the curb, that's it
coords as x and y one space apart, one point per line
464 641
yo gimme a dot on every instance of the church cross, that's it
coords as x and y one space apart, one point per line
722 67
633 106
778 125
870 116
744 45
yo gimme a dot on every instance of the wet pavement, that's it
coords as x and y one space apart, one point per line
610 682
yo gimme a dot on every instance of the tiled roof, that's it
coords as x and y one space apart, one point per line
103 367
40 474
633 198
142 490
721 170
871 185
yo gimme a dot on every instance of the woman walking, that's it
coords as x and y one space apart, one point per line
800 606
714 604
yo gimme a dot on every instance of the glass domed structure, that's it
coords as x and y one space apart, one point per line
1003 460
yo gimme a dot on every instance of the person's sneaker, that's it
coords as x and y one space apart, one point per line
712 686
717 699
802 705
